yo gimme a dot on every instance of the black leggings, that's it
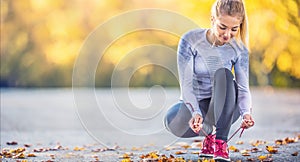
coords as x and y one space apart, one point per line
220 111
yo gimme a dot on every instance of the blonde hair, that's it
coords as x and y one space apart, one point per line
233 8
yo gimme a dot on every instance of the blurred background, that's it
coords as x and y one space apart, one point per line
40 40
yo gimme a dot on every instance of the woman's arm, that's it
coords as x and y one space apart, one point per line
244 100
185 59
241 69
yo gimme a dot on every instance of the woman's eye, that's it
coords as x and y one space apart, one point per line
234 30
222 28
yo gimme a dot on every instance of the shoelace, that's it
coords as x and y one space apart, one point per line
243 128
221 148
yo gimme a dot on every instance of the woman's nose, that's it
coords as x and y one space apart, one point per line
227 32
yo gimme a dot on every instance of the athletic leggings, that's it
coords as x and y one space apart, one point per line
220 111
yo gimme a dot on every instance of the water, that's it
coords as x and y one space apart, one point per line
126 117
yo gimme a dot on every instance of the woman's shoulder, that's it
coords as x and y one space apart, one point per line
194 35
239 46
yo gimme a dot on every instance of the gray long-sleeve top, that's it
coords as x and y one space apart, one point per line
197 62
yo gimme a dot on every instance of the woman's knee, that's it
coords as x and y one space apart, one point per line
223 74
175 112
176 119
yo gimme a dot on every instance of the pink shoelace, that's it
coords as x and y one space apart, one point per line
243 128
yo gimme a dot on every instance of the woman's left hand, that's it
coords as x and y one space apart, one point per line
247 121
196 123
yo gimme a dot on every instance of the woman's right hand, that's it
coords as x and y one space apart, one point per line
196 123
247 122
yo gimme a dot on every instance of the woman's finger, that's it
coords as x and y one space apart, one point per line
247 123
197 120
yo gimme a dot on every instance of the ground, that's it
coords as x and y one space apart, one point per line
50 130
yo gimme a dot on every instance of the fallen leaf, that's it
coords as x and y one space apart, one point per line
168 148
136 149
234 149
27 145
250 159
207 160
245 152
197 145
126 160
271 149
38 150
181 143
57 147
19 156
197 140
52 156
291 140
125 156
78 148
262 157
257 143
180 152
96 150
239 142
268 160
12 143
153 155
295 154
255 149
31 155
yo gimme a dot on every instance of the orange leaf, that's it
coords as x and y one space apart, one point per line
258 142
271 149
180 152
31 155
239 142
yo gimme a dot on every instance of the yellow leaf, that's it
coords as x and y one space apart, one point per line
126 160
234 149
78 148
19 156
262 157
271 149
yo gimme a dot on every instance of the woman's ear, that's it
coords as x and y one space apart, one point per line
212 20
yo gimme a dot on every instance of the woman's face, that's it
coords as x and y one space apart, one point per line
225 27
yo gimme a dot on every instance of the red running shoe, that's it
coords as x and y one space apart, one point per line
208 148
221 151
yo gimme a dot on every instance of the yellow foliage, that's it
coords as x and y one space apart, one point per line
54 30
284 62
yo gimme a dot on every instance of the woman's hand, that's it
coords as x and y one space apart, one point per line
196 123
247 121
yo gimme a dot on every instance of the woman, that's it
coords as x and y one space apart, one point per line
213 71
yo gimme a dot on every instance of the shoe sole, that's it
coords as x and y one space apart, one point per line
221 159
206 155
